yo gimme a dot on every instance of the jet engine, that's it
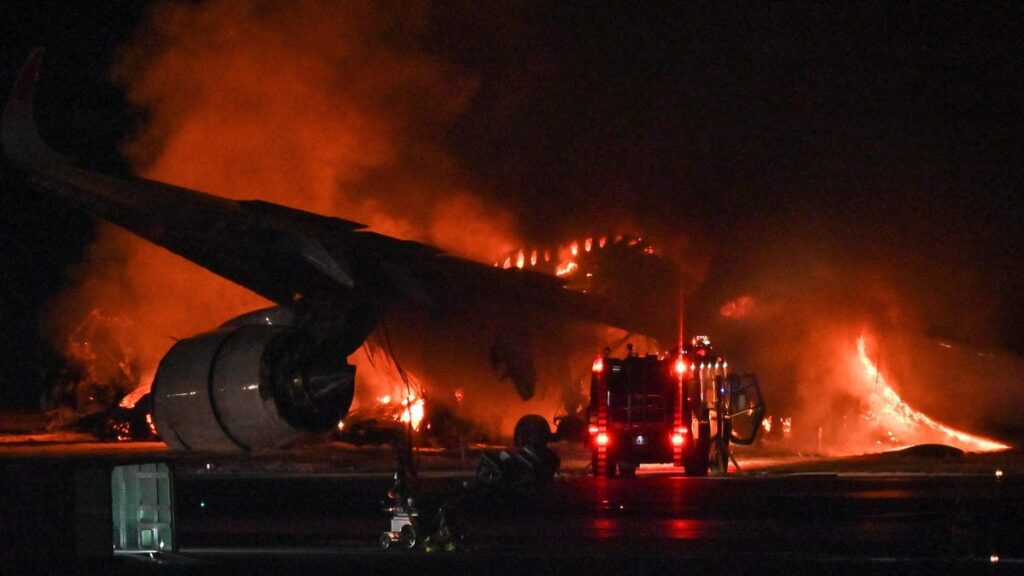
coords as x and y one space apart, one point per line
255 382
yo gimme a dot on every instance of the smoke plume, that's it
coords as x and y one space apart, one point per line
324 106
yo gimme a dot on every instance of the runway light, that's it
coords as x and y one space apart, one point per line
999 473
993 558
602 439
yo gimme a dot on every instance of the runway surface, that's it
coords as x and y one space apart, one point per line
322 510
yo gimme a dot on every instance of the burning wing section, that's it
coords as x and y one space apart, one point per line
254 383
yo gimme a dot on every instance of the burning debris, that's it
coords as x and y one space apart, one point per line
98 370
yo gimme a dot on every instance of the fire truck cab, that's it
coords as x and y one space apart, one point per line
677 408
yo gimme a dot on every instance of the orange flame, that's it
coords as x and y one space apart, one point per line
891 411
413 409
135 395
565 268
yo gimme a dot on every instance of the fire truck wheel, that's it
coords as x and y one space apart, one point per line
627 469
720 460
385 541
697 465
408 536
610 469
531 429
697 462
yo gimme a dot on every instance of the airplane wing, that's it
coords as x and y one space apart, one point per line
281 253
256 384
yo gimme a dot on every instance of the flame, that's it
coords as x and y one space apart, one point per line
565 268
413 411
215 78
890 410
135 395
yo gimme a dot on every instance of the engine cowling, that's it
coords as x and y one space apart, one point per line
246 386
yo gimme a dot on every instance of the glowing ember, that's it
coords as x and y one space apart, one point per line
891 411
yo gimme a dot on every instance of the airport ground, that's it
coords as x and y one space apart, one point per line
321 508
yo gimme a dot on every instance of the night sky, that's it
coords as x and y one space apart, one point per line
772 141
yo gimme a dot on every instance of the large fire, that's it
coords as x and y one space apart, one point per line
903 424
323 106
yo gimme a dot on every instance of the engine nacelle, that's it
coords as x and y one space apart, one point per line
245 387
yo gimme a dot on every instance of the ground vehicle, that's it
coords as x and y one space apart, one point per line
684 408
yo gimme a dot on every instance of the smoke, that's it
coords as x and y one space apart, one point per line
793 309
323 106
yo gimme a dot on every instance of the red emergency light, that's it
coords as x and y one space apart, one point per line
679 438
680 366
602 439
598 366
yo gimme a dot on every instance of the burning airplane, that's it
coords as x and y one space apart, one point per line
273 375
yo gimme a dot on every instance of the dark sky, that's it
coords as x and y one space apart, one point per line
880 136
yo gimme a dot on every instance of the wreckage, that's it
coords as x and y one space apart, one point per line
271 376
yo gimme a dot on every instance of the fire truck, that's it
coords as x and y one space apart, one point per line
683 408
